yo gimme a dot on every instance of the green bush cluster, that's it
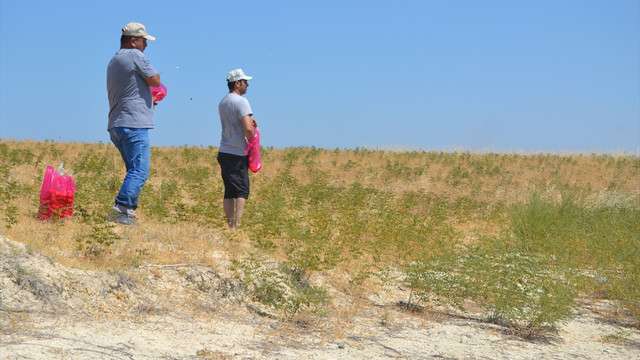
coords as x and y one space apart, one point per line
524 291
599 236
285 288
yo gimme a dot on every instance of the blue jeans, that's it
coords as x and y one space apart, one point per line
135 149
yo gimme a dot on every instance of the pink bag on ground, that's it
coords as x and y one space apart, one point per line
56 195
253 151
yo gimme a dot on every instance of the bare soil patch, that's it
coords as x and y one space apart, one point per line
48 311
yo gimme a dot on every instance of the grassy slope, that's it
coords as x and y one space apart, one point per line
362 216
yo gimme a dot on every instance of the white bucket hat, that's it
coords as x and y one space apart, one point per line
237 74
137 30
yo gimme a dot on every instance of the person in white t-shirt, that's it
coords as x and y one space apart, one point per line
238 126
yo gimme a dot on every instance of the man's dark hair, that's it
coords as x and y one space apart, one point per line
232 84
125 39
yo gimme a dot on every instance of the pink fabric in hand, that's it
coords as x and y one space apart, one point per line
253 151
158 92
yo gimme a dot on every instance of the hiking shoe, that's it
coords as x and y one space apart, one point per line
121 209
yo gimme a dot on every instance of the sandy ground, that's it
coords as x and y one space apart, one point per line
48 311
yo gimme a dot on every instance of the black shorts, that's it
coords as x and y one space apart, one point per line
235 175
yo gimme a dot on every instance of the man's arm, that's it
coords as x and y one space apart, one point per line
153 80
248 123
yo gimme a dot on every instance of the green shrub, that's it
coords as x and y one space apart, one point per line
525 292
597 235
529 292
285 288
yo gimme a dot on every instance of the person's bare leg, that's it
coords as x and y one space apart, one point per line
239 210
229 210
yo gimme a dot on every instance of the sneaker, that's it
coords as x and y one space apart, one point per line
121 209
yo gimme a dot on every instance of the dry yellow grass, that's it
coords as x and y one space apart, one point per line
490 178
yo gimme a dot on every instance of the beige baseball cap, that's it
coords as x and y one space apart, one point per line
137 30
237 74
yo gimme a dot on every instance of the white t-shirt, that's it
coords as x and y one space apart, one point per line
231 109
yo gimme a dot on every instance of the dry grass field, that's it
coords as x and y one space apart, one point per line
519 243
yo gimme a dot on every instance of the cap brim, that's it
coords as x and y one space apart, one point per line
149 37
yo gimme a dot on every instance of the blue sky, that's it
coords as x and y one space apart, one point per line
494 75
